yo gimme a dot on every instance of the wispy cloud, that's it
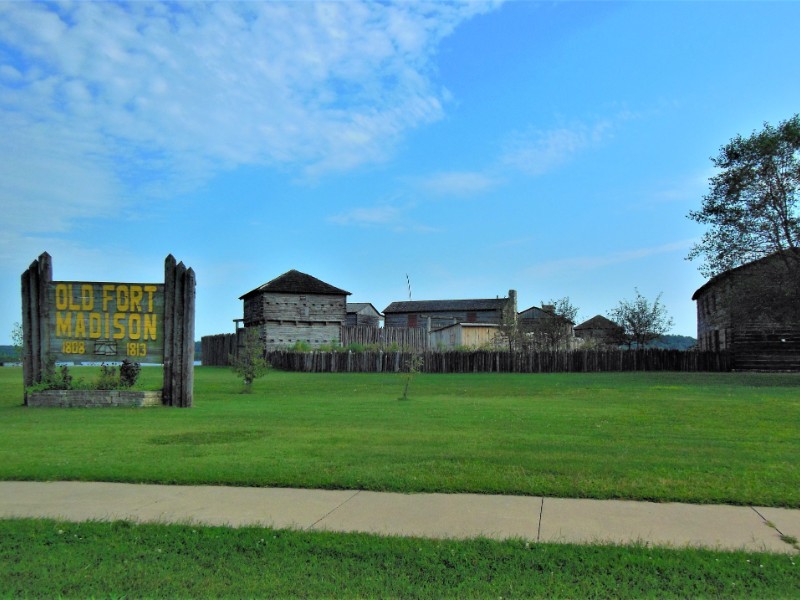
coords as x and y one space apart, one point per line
457 183
585 263
537 151
388 217
376 215
101 101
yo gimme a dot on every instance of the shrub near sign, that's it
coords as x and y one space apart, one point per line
96 322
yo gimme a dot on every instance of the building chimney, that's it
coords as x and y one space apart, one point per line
511 306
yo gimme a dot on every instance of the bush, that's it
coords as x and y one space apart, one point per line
300 346
128 373
61 380
108 378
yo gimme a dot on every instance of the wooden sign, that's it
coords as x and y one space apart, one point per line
96 322
79 321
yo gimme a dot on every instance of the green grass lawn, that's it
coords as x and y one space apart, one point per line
49 559
706 438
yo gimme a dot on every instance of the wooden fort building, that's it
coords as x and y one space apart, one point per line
296 307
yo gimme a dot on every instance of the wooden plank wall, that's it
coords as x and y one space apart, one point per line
579 361
179 303
762 349
385 337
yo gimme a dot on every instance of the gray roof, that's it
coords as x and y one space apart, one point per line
357 307
295 282
469 325
534 312
425 306
598 322
745 267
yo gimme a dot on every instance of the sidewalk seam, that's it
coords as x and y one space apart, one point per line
333 510
539 529
767 522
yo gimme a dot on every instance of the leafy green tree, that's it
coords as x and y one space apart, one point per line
642 321
751 208
558 330
17 340
249 362
553 329
752 213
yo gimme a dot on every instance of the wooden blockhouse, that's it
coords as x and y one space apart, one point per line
296 307
760 327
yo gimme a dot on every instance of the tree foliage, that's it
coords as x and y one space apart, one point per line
751 208
642 321
550 331
249 362
17 340
554 331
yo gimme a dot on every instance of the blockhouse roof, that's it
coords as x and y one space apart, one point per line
295 282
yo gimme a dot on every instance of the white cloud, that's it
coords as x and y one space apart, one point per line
385 216
536 152
101 101
378 215
595 261
457 183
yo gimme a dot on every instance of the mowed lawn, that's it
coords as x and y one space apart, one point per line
705 438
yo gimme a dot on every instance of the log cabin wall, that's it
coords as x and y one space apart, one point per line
285 318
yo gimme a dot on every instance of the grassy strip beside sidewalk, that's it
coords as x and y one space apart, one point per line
58 559
696 437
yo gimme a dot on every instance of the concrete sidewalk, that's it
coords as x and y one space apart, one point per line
424 515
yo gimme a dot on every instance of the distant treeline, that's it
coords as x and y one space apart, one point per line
673 342
8 354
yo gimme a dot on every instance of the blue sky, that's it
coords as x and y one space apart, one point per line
552 148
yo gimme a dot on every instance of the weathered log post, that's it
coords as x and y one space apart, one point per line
179 307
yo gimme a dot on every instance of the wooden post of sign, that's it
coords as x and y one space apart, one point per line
188 339
45 277
179 300
35 314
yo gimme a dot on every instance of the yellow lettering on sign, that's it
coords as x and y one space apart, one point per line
80 326
136 298
87 297
119 326
108 291
71 297
95 326
61 297
150 290
135 327
150 327
123 298
63 324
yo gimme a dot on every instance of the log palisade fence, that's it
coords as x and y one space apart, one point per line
575 361
217 349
